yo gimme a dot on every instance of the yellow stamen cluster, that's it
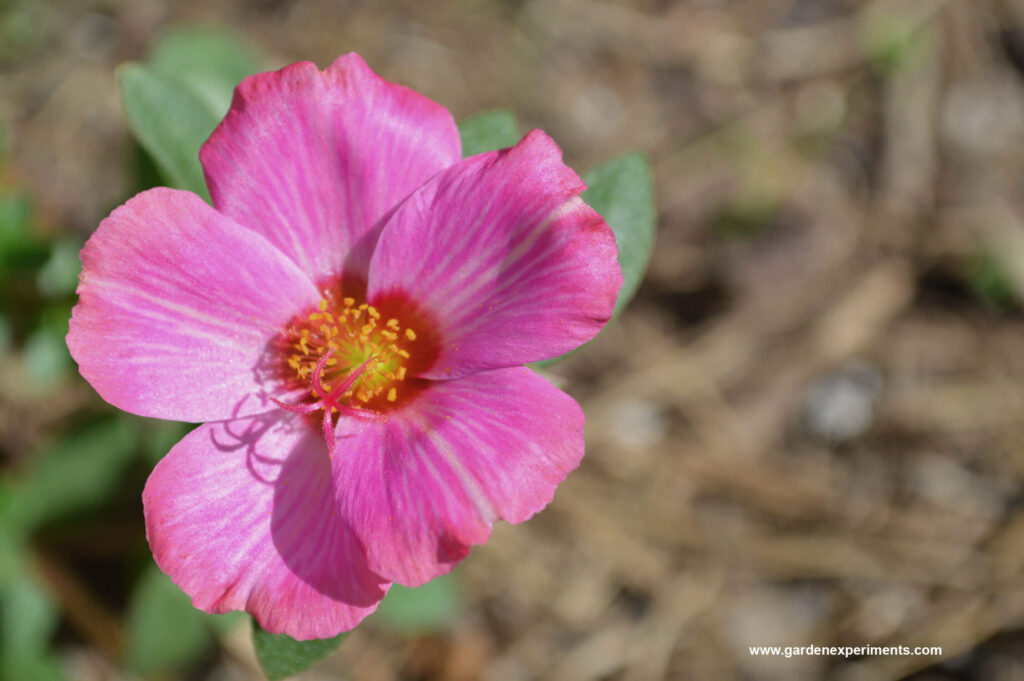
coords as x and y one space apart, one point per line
356 334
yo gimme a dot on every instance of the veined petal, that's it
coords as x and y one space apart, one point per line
176 305
422 486
501 251
313 160
241 515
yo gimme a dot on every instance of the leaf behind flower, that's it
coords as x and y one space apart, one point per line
281 656
622 191
488 131
158 607
430 607
176 99
170 122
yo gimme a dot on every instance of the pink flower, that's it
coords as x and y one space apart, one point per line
354 270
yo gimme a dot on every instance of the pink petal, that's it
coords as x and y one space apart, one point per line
507 258
242 516
426 483
176 306
313 160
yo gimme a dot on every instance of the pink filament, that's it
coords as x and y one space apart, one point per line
328 400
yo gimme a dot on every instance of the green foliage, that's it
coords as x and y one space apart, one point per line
175 101
19 248
163 631
170 121
160 436
59 275
45 356
10 539
6 334
430 607
37 278
622 191
17 666
282 656
79 471
986 277
222 624
28 619
208 61
488 131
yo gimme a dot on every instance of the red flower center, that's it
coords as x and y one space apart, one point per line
354 358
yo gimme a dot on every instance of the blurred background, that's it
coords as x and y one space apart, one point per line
807 429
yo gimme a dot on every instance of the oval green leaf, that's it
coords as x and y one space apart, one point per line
170 121
488 131
210 62
164 632
426 608
28 617
176 99
281 656
78 472
622 191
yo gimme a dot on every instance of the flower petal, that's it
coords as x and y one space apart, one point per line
241 515
176 306
506 257
426 483
313 160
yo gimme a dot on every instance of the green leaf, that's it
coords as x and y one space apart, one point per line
164 632
28 620
6 334
988 279
178 97
28 617
488 131
79 471
19 248
430 607
223 624
42 667
59 276
12 544
210 62
45 356
622 191
170 121
282 656
160 436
